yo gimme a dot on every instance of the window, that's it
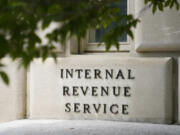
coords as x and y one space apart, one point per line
95 36
98 34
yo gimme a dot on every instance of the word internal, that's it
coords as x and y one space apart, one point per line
97 74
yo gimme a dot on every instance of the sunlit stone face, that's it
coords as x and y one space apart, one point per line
13 96
158 32
107 88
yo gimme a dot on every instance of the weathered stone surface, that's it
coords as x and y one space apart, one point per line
82 88
158 32
84 127
13 96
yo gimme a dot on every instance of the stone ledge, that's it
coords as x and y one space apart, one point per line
85 127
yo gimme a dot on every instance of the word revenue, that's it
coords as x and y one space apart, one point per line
96 108
125 74
97 91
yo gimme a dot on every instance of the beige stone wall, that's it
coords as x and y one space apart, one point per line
13 96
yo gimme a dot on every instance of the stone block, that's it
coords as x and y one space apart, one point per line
158 32
103 88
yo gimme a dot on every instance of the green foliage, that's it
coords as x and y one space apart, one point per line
161 4
19 19
4 77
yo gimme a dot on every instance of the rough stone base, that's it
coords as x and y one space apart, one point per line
84 127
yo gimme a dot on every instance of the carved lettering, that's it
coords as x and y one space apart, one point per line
130 76
67 109
116 91
97 74
76 107
124 109
75 91
126 91
99 92
86 108
112 109
87 74
66 91
109 74
97 107
79 71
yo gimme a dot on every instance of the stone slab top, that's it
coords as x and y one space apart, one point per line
85 127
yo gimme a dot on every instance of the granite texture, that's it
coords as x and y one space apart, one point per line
81 127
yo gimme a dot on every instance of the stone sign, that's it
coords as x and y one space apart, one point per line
101 87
